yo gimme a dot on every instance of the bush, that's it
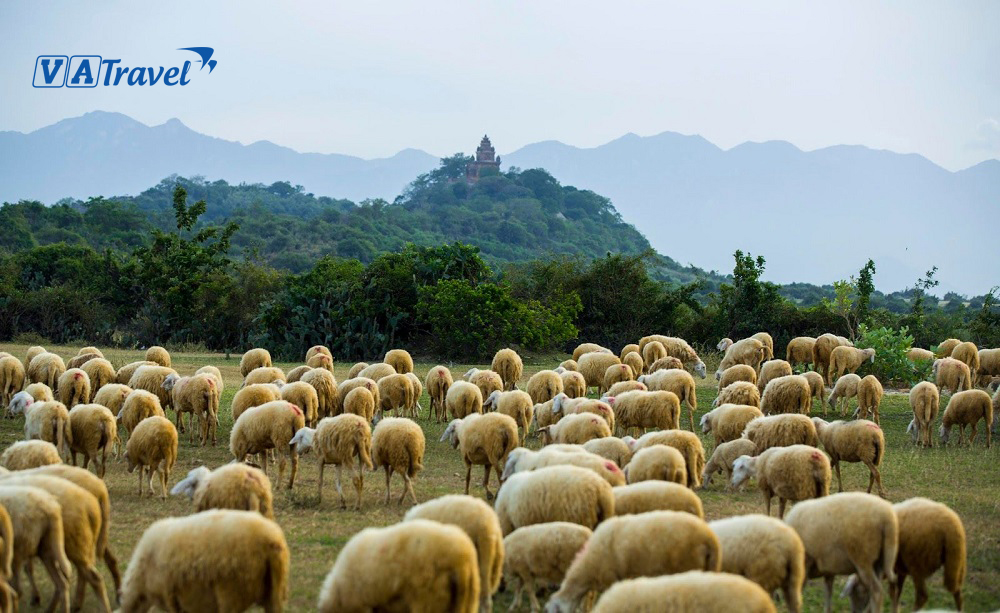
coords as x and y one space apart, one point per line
891 363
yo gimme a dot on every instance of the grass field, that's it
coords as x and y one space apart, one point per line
965 478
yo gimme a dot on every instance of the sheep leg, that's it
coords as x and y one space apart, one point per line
767 503
871 580
691 415
319 489
409 488
59 580
80 594
828 596
295 467
781 507
36 597
116 576
875 477
515 604
388 477
141 470
152 475
486 481
535 606
340 490
359 483
896 590
840 482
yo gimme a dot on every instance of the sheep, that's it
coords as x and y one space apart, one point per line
23 455
483 439
822 349
915 354
768 343
946 347
845 389
772 369
577 429
398 445
345 388
327 393
486 380
787 394
634 361
94 432
39 391
657 462
989 365
437 382
686 442
304 396
796 472
321 361
924 400
666 363
656 495
515 404
749 351
554 493
153 447
678 348
610 448
151 378
723 457
338 441
930 536
463 398
585 348
853 441
88 350
727 422
37 526
37 350
264 374
253 396
846 533
574 385
158 355
509 366
217 560
359 401
738 372
593 367
356 369
480 523
48 421
254 359
629 348
781 431
966 409
417 565
617 373
690 591
679 382
816 385
952 375
968 353
724 344
765 550
800 350
563 405
138 405
231 486
847 359
654 543
618 388
268 426
318 349
12 378
522 459
199 396
46 368
73 387
738 392
296 373
124 374
541 553
660 410
870 394
100 372
653 352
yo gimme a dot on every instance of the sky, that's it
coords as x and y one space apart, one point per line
372 78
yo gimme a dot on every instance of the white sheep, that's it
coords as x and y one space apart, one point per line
822 349
677 381
870 394
73 387
47 421
689 591
723 457
253 359
400 360
772 369
577 428
357 368
686 442
327 393
610 448
952 375
198 395
564 405
554 493
94 432
112 396
12 378
849 359
253 396
231 486
509 366
36 520
738 392
359 401
46 368
641 410
594 365
463 398
786 394
158 355
749 351
781 431
727 422
615 390
678 348
796 472
304 396
138 405
269 426
522 459
437 382
925 401
486 380
338 441
854 441
124 374
153 447
738 372
845 389
375 371
398 445
101 373
656 495
966 409
264 374
396 392
483 439
22 455
800 350
657 462
539 556
516 405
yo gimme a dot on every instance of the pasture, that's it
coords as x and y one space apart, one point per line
965 478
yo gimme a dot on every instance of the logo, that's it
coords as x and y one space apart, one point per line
92 70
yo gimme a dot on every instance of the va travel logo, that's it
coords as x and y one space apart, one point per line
85 71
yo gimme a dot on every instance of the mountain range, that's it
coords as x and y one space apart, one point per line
816 216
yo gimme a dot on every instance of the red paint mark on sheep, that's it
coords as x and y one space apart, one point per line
294 409
816 456
612 466
78 375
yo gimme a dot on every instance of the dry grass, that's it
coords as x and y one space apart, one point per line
966 478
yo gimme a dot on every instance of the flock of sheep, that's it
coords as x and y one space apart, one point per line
595 512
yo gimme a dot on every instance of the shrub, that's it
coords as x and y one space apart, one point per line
891 363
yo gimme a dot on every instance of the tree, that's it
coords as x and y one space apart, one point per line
864 288
852 299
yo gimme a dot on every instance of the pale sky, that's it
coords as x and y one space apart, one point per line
371 78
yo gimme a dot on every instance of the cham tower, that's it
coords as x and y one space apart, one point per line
486 157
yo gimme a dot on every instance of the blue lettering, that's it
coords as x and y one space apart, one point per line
50 76
184 79
137 76
107 73
84 72
152 79
119 72
170 79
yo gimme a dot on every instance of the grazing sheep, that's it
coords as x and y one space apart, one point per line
822 348
12 378
634 361
94 432
483 439
215 373
515 404
946 347
667 363
23 455
138 405
724 344
264 374
563 405
327 394
593 367
338 441
781 431
88 350
47 421
816 386
689 591
153 447
437 382
359 401
199 396
509 366
37 350
569 365
46 368
610 448
787 394
653 352
318 349
723 457
800 350
848 533
772 369
679 382
217 560
915 354
73 387
575 386
952 375
39 391
431 567
738 372
765 550
989 365
738 392
629 348
480 523
268 426
522 458
617 373
231 486
37 526
321 361
345 388
925 401
618 388
398 445
656 495
463 398
848 359
647 544
254 359
686 442
357 368
966 409
101 373
796 472
124 374
768 343
853 441
870 394
400 361
660 410
577 428
845 389
968 353
296 373
486 380
728 421
678 348
304 396
749 351
554 493
151 378
158 355
657 462
539 556
585 348
544 385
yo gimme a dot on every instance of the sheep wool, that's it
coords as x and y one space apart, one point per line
738 372
952 375
656 495
540 555
522 459
138 405
264 374
304 396
73 387
854 441
634 361
509 366
23 455
966 409
930 536
724 456
870 394
554 493
338 441
400 360
151 378
845 389
93 433
356 369
800 350
269 426
629 348
38 350
101 373
296 373
515 404
152 447
318 349
796 472
781 431
49 421
677 348
641 410
345 388
254 359
786 394
685 442
463 398
989 365
593 367
822 349
577 428
321 361
657 462
124 374
253 396
848 359
667 363
925 401
437 382
216 374
46 368
689 591
916 354
486 380
418 388
679 382
398 445
199 396
618 388
727 422
749 351
359 401
652 353
12 378
327 393
484 440
610 448
816 385
772 369
968 353
158 355
617 373
231 486
738 392
583 348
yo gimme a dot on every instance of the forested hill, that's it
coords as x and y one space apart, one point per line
511 216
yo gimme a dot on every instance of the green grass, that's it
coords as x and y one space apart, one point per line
965 478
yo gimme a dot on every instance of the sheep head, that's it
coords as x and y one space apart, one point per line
631 442
510 467
302 442
699 369
912 430
559 369
744 467
493 398
19 404
870 354
557 403
706 426
945 433
189 484
820 424
470 373
451 433
724 344
171 381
